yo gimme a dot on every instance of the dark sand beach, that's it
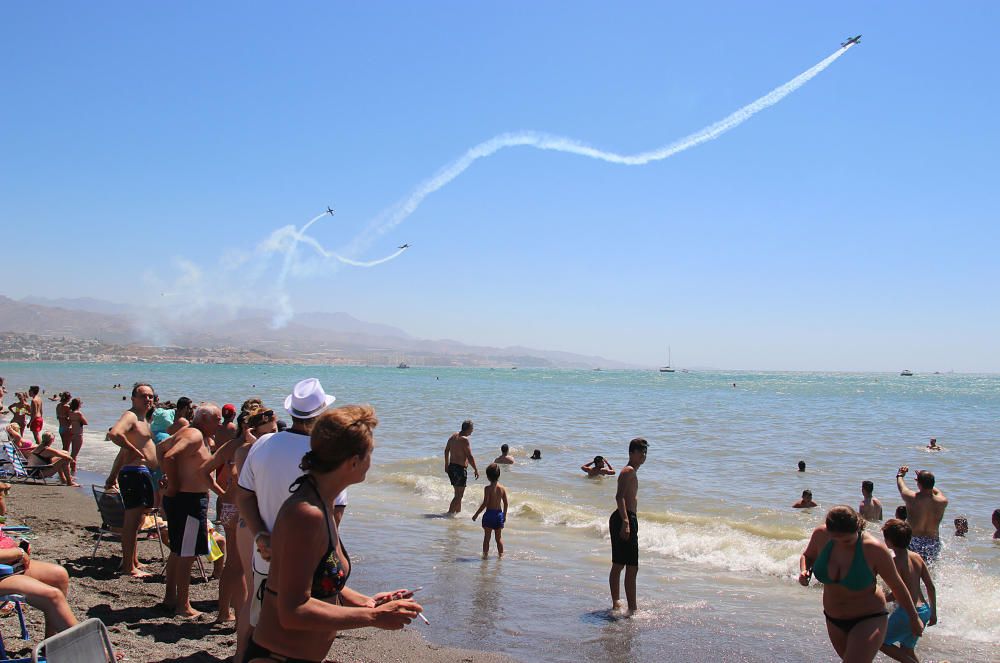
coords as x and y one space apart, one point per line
64 523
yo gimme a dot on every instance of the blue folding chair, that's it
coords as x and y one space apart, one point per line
17 600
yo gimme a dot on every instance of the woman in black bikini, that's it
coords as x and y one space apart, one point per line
846 561
306 598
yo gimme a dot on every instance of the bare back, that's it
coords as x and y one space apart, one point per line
459 449
910 566
494 496
925 510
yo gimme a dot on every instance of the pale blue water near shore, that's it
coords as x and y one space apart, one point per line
718 540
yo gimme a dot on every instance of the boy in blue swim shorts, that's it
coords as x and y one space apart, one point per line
900 642
494 497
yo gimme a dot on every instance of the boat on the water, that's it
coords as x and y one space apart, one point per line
668 368
906 372
403 364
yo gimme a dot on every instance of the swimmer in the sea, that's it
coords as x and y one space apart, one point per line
598 467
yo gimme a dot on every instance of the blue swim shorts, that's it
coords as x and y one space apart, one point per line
898 630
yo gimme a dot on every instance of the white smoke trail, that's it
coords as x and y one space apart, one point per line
396 215
286 240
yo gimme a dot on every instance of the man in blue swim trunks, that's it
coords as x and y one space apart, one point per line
924 513
131 472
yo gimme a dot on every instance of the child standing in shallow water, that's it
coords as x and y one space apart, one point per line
494 495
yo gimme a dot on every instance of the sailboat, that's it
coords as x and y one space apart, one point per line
668 368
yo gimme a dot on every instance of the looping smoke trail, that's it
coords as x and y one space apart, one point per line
398 213
541 141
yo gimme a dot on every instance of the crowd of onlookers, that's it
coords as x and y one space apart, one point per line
279 495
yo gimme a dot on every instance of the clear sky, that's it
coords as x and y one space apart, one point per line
852 226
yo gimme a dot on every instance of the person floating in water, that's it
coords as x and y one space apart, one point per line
536 454
504 458
961 526
870 507
598 467
802 466
933 445
494 497
806 502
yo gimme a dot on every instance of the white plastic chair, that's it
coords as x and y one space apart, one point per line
87 642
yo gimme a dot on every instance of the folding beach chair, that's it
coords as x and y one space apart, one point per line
87 642
112 510
14 466
16 600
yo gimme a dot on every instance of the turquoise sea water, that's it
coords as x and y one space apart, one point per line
719 543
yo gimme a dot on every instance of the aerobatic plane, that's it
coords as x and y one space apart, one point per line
404 246
329 211
851 40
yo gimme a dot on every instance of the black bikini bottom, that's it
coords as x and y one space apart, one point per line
846 625
256 651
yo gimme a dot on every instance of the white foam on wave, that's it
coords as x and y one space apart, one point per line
968 601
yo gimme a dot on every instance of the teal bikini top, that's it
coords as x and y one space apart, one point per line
858 577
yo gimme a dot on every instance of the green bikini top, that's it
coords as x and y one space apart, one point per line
858 577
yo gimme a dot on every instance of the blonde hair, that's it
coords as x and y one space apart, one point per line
337 435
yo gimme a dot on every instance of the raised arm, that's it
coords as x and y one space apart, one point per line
904 492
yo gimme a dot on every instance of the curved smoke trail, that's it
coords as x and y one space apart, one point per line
541 141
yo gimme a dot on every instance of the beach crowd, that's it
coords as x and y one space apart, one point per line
279 492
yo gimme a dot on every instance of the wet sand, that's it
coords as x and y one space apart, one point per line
64 522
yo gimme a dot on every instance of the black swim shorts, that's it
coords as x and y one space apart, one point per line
187 523
458 474
136 486
624 551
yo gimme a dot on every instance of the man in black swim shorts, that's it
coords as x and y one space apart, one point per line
135 482
457 458
624 528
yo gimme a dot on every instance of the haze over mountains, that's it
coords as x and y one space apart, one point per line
309 336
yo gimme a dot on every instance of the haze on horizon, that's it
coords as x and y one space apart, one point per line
150 150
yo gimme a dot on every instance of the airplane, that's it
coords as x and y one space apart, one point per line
851 40
329 211
404 246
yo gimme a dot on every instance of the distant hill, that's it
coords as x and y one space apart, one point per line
308 336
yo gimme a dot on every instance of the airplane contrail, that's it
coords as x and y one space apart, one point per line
398 213
542 141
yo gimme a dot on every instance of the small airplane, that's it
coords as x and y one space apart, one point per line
851 40
404 246
329 211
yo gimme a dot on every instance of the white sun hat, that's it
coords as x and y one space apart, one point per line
308 399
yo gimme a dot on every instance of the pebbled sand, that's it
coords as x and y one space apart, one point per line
64 521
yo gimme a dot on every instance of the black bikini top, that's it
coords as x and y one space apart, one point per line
329 577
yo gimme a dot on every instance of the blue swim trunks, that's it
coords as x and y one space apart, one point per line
899 626
493 519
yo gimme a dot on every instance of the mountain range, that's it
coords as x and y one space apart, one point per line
308 335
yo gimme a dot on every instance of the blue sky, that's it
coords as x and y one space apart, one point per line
850 227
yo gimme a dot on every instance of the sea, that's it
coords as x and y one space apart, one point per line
719 541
